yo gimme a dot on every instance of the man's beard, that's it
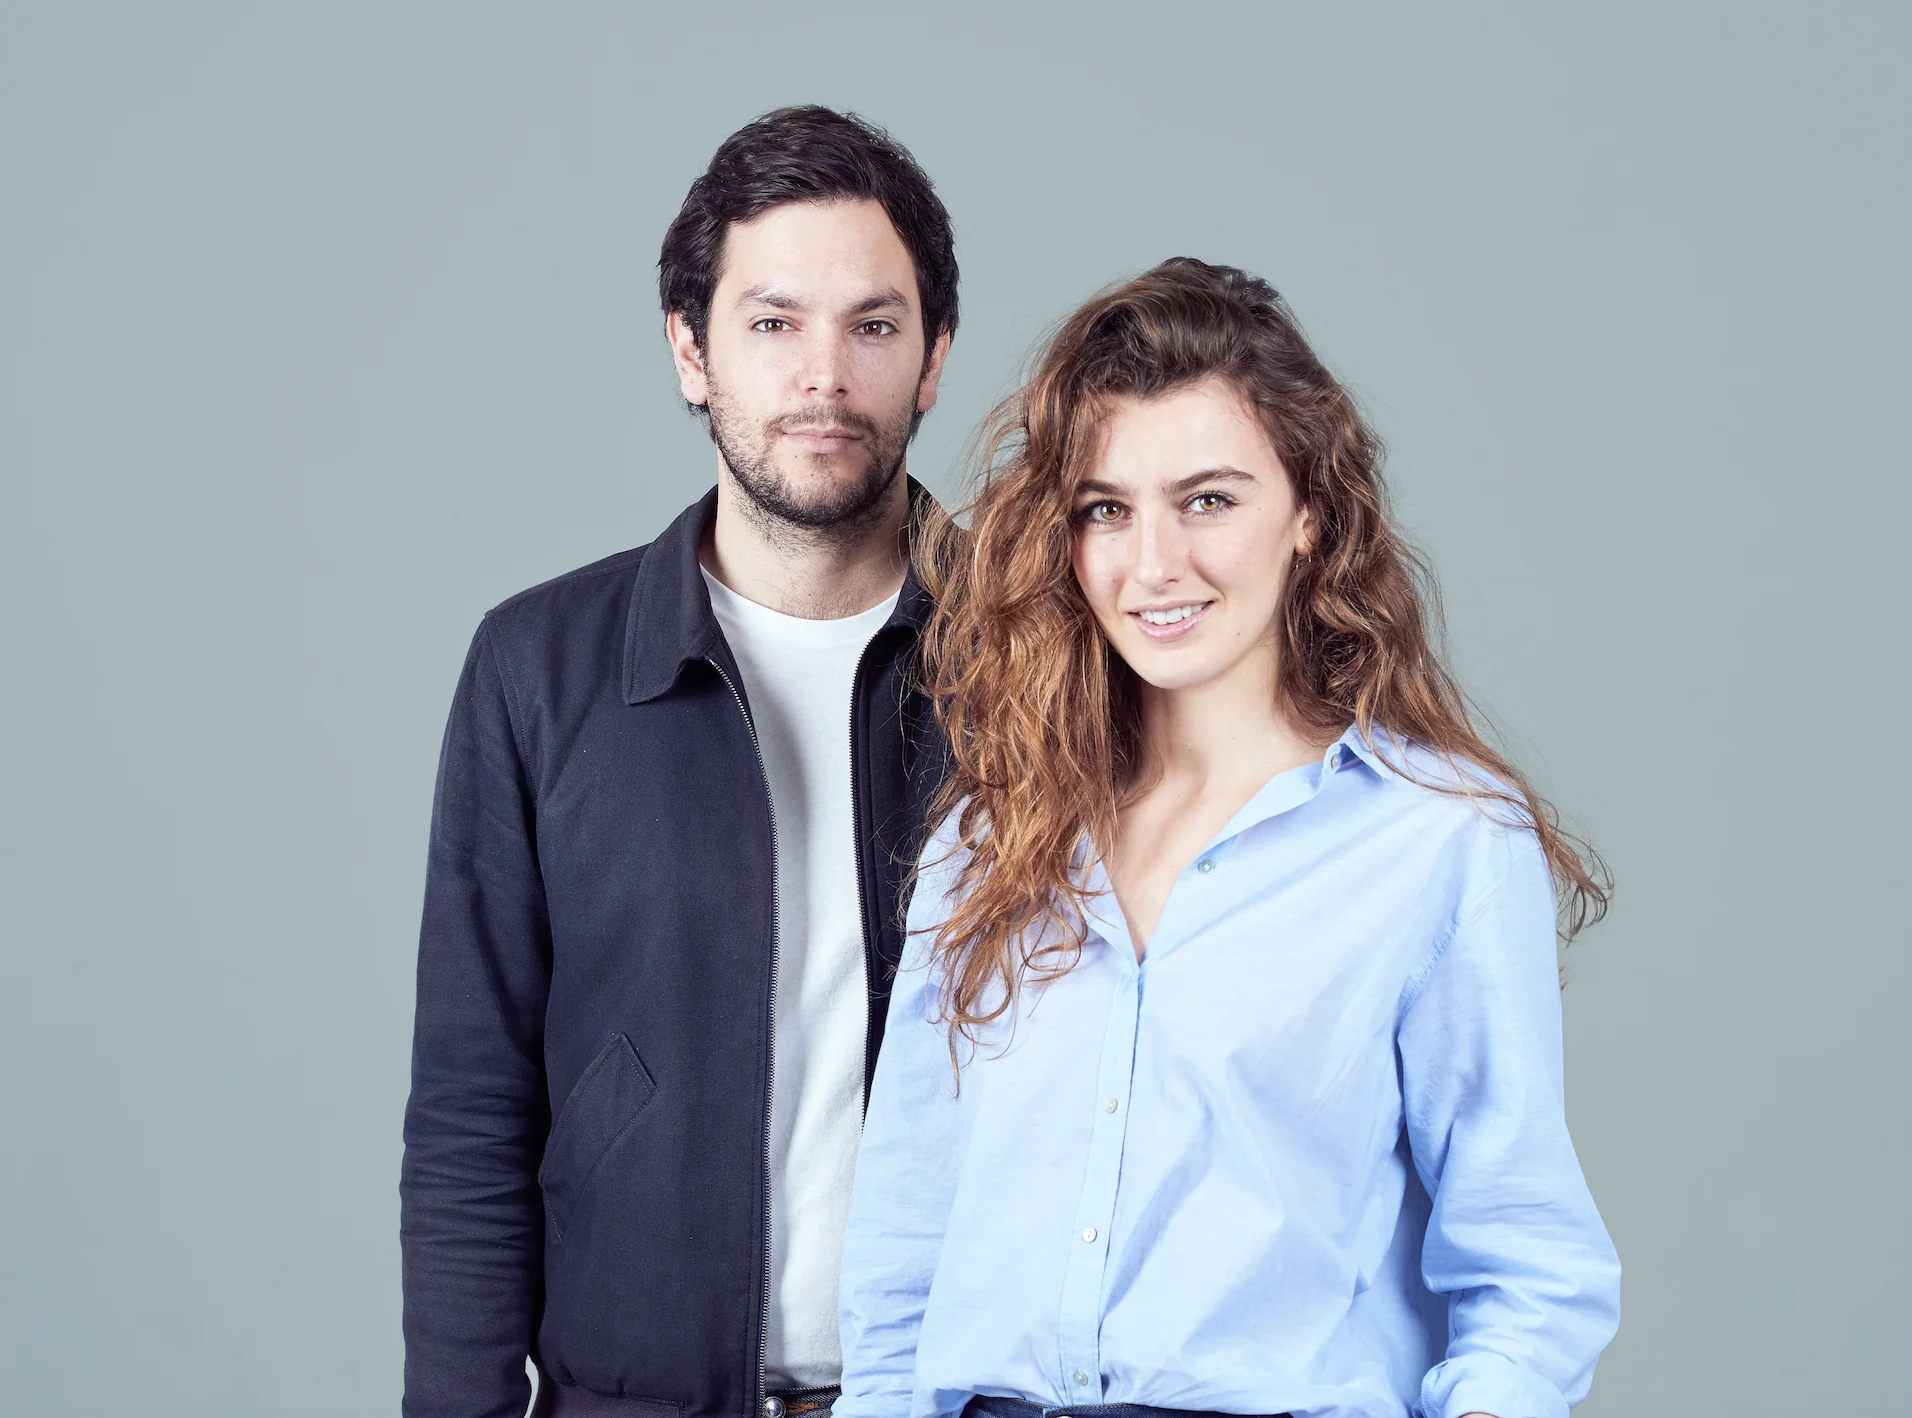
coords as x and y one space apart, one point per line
820 504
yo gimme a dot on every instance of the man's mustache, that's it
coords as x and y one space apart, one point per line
810 419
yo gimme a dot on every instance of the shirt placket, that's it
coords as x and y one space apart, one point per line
1080 1329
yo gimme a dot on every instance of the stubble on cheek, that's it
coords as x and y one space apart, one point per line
809 490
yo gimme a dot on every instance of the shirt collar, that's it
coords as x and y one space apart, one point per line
1376 751
1379 748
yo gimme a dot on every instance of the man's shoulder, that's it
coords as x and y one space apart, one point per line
568 602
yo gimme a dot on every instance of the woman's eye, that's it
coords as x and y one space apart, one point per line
1102 512
1208 502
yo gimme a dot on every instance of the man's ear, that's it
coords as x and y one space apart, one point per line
932 374
691 376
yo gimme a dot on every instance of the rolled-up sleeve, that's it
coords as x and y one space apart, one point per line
1514 1240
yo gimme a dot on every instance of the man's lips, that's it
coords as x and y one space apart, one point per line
1170 632
823 440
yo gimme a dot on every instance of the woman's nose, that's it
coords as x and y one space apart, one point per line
1161 552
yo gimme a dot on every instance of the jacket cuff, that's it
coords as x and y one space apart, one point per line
1488 1383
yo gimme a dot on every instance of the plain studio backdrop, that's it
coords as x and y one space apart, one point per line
324 328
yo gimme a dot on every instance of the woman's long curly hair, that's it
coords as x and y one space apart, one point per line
1043 718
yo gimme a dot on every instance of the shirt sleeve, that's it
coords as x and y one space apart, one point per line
905 1178
1513 1241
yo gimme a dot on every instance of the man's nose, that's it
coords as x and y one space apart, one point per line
826 365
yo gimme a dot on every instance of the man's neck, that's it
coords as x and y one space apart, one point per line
816 574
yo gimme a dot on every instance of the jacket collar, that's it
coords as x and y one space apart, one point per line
671 622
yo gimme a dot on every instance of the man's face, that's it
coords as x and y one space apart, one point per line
812 368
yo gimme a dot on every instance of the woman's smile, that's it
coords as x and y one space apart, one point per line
1170 622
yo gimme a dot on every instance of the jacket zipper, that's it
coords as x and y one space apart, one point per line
770 1062
862 910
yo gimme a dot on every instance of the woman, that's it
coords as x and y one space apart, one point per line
1224 1074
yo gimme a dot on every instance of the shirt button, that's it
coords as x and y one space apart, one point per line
1081 1377
1111 1106
1205 865
1088 1233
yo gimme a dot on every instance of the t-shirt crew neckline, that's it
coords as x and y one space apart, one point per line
798 628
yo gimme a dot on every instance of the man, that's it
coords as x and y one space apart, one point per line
679 794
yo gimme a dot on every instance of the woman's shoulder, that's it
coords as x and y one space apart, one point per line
948 846
1448 793
946 837
1468 828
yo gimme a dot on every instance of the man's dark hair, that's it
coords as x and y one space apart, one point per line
807 154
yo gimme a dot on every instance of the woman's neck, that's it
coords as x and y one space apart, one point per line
1206 750
1229 730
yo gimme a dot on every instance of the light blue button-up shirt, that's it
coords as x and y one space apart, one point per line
1309 1155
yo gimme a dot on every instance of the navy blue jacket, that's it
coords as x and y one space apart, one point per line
585 1175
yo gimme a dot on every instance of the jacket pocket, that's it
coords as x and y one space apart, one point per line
607 1099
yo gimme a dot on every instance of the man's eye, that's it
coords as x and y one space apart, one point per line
877 327
770 325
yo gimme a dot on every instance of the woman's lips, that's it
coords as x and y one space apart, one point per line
1171 632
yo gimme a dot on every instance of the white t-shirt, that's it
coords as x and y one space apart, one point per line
797 676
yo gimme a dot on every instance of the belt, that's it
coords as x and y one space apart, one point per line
556 1400
989 1406
796 1402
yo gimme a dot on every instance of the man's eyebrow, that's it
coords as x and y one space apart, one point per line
770 296
886 299
889 298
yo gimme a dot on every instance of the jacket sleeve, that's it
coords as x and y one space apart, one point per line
470 1222
1514 1241
906 1171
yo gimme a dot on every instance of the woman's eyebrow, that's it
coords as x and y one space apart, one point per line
1222 474
1096 487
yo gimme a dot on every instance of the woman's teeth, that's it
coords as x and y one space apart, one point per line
1169 617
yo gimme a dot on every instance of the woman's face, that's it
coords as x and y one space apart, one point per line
1185 529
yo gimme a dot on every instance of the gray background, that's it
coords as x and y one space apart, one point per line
323 328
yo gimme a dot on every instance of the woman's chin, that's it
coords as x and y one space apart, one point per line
1169 672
